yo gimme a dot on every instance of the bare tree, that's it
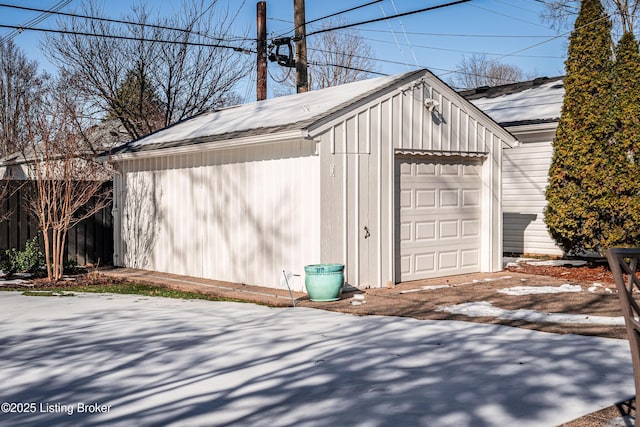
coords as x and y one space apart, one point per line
477 70
334 58
20 83
69 184
184 72
562 13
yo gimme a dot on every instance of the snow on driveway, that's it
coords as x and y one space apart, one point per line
147 361
486 309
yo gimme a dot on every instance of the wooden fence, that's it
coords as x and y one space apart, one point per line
89 242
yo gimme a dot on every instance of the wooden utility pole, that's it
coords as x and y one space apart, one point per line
261 48
301 46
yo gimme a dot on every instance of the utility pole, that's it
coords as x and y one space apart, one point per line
261 48
301 46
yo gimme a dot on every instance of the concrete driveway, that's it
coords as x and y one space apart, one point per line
129 360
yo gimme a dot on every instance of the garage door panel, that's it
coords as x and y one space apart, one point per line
448 198
471 198
470 257
406 232
406 199
428 169
449 169
439 217
470 228
449 229
425 263
425 198
425 230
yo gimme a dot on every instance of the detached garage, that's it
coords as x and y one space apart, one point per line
396 177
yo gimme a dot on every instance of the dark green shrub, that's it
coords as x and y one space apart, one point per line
29 260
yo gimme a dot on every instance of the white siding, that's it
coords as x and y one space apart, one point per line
240 215
358 189
245 212
525 172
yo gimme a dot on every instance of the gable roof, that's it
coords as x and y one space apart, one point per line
292 112
531 102
273 119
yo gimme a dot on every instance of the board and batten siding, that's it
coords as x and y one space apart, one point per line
241 215
358 188
525 171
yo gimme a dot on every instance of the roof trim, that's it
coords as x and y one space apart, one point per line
218 144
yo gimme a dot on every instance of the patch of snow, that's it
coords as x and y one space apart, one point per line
532 290
486 309
625 421
281 111
539 103
358 299
14 282
425 288
453 285
558 262
597 286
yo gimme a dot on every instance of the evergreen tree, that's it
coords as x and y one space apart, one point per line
136 105
621 203
579 165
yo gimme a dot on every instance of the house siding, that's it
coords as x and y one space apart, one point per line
326 193
525 170
358 185
240 215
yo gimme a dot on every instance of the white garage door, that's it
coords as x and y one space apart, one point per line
437 217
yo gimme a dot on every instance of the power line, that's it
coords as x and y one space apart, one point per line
342 12
142 39
508 16
347 68
114 21
388 61
395 39
44 15
475 36
426 9
328 16
393 3
421 33
462 51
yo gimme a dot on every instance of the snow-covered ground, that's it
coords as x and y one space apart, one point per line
154 361
486 309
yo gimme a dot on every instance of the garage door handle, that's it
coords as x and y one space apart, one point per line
366 232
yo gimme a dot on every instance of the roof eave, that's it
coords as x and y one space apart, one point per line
268 138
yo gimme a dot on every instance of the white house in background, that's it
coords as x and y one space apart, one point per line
396 177
530 111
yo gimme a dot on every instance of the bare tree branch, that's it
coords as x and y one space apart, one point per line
477 70
69 183
334 58
183 78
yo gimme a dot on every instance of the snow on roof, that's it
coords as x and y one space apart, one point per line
276 114
535 101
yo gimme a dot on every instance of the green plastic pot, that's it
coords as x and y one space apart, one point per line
324 282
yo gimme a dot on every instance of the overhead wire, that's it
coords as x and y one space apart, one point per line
444 49
331 15
393 3
369 21
395 39
113 36
389 61
45 13
118 21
